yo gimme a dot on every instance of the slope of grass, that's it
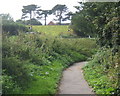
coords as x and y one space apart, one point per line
53 30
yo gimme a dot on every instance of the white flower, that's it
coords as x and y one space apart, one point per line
46 73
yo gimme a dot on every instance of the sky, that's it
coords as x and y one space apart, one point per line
14 7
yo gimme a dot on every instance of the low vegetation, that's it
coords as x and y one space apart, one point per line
33 63
102 72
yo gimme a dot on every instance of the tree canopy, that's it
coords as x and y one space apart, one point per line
31 10
59 11
44 14
6 18
98 18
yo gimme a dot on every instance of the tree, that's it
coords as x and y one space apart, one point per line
20 21
81 26
6 18
59 11
23 18
33 22
103 17
9 27
81 22
68 16
44 14
31 10
27 22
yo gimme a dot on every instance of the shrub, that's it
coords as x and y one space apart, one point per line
9 86
13 28
104 77
16 68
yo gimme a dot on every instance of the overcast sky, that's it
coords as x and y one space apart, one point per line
14 6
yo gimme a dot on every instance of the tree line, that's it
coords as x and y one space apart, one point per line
99 20
10 27
35 13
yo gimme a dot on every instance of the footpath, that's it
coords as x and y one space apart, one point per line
73 81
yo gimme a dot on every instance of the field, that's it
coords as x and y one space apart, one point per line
54 30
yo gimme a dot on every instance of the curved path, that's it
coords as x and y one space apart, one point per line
73 81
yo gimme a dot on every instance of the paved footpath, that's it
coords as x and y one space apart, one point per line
73 81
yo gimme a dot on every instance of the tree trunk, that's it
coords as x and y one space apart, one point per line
45 19
30 20
60 18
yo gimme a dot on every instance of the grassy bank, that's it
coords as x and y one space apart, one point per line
54 30
32 63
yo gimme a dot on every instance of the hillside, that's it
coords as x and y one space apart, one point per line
54 30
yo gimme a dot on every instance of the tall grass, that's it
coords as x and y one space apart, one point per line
32 63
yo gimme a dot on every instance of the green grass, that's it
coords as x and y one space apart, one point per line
53 30
47 83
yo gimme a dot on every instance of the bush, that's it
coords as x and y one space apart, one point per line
104 77
17 69
9 86
14 28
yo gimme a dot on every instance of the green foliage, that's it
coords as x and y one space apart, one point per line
13 28
27 22
47 82
10 27
82 26
17 69
104 77
29 9
99 19
9 86
34 62
6 18
102 20
59 11
44 14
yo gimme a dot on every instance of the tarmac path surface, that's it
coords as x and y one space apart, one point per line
73 81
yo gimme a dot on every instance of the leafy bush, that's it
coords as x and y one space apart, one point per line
104 77
8 86
14 28
15 68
